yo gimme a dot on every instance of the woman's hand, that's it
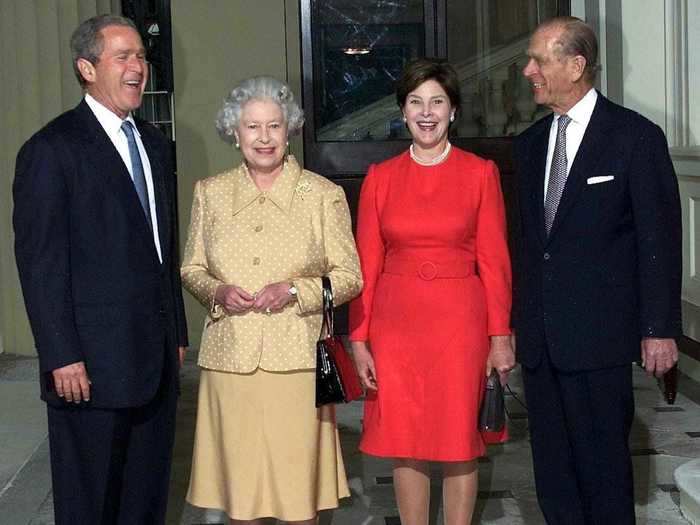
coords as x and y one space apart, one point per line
233 299
273 297
364 363
501 357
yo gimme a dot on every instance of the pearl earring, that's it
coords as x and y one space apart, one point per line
452 117
238 146
404 118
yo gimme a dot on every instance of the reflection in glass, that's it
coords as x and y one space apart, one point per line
157 106
361 46
360 49
486 42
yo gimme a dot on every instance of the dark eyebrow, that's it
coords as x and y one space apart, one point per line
421 98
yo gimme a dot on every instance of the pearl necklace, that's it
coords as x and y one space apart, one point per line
434 160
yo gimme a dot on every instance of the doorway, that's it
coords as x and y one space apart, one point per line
353 51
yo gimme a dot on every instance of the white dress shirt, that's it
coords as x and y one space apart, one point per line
112 125
580 115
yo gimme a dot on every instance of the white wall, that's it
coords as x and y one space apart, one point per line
643 55
661 80
37 85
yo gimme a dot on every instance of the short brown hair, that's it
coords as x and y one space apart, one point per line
87 40
577 38
422 69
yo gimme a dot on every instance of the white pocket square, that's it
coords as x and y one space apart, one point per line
598 180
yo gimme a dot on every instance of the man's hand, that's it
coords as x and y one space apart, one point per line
181 354
501 356
658 355
72 383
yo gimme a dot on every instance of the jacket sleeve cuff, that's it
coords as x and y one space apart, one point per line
308 294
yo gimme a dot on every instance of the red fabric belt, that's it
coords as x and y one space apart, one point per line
429 270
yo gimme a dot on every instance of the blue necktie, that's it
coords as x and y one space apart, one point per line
137 169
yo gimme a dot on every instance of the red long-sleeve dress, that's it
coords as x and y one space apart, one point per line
434 256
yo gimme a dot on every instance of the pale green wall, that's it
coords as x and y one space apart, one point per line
216 44
37 85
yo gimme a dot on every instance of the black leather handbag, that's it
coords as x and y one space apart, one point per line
336 378
492 415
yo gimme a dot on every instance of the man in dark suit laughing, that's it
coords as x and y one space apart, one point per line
95 243
598 276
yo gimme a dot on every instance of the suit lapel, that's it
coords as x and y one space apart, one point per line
538 165
587 158
109 166
159 187
102 154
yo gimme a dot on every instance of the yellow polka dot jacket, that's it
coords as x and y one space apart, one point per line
297 231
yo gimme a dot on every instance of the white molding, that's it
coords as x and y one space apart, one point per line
685 152
691 327
676 74
689 187
692 219
602 46
686 163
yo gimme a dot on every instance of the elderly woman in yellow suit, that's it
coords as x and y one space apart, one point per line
261 236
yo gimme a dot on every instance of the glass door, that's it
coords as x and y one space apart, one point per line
353 52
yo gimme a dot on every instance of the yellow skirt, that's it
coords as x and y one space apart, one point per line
262 448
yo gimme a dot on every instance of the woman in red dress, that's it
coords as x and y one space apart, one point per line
434 315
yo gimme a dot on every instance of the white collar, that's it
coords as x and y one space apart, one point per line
582 111
111 123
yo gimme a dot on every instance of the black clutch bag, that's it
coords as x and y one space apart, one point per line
492 415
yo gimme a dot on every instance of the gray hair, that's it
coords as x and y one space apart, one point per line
258 88
87 40
577 38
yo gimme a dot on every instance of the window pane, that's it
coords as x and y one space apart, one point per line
360 48
486 43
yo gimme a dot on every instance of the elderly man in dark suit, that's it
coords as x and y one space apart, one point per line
598 277
96 249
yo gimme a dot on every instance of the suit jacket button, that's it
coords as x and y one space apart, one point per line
546 256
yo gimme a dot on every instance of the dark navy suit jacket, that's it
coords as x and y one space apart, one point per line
93 285
609 273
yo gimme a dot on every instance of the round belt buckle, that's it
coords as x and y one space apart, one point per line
428 270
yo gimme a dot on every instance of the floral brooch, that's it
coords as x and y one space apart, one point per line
302 189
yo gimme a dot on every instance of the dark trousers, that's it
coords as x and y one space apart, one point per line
579 429
112 467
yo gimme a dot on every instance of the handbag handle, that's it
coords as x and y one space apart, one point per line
328 316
